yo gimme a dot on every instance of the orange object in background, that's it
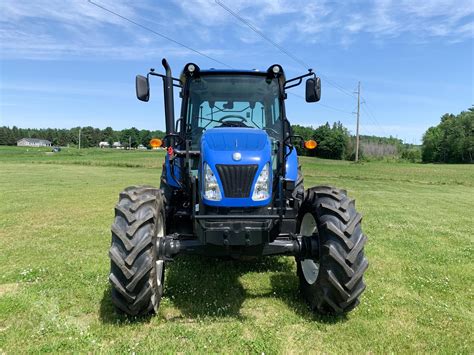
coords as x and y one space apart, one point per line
311 144
156 143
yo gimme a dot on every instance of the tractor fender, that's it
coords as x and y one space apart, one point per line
170 179
291 171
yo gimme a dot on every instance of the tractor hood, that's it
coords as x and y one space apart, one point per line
235 139
236 156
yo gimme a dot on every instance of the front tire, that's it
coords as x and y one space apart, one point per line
136 274
333 282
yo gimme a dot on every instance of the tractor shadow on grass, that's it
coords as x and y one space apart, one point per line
198 287
207 287
286 288
211 287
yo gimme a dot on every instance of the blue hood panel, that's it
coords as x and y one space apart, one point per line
235 139
218 146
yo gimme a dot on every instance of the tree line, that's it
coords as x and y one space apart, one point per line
334 141
90 136
452 140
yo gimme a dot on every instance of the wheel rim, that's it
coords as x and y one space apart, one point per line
159 267
309 267
160 263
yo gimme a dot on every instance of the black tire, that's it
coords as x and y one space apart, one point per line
139 221
336 287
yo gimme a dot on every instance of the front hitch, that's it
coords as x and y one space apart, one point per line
299 246
169 246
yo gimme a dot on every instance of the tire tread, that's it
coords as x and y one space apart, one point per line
340 281
131 254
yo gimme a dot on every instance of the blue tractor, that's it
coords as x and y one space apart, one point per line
231 186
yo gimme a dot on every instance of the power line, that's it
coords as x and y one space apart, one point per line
320 104
335 108
372 117
283 50
278 46
376 124
301 62
369 111
158 33
367 131
261 34
337 86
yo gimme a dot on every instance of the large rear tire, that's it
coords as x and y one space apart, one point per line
136 275
333 282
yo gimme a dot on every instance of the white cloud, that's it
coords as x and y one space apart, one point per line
322 20
52 29
420 19
78 13
56 29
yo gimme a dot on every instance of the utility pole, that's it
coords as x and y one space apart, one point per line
129 142
357 128
80 129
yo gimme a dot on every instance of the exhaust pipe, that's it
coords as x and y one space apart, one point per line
169 99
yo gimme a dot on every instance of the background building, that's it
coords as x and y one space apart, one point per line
33 142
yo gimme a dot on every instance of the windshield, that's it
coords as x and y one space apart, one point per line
233 101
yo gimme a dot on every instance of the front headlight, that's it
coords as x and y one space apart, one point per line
261 191
211 187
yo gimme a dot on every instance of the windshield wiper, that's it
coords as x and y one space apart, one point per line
223 110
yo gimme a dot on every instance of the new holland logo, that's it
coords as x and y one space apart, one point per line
236 156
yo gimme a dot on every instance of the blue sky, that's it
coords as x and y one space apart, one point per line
67 63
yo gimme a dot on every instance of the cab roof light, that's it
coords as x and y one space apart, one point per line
274 71
192 69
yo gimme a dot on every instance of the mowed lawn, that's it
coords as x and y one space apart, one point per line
55 215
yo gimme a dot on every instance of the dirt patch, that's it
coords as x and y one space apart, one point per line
6 289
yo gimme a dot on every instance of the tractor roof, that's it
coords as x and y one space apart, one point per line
214 71
232 71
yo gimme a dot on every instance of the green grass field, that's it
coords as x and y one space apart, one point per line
55 215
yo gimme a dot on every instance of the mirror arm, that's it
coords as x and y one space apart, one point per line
299 78
293 85
152 72
288 143
177 139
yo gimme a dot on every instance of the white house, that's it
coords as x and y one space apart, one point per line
33 142
104 145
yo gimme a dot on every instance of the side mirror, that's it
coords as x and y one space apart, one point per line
142 88
313 90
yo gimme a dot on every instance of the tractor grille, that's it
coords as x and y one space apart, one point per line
237 179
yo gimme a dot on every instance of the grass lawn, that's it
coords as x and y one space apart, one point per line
55 215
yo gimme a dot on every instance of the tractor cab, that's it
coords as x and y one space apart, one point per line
234 119
231 99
